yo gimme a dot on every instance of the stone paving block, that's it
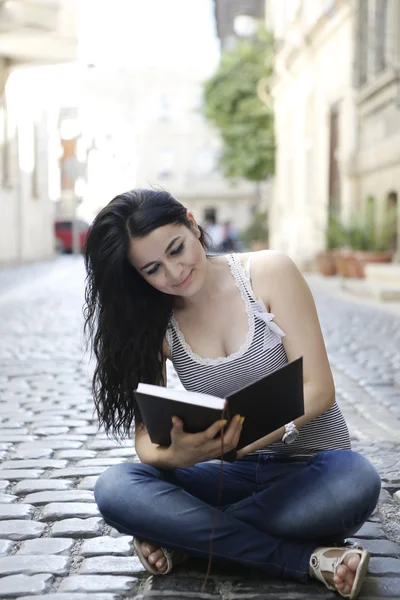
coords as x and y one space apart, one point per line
50 430
97 583
35 464
370 530
47 546
16 511
32 565
380 587
59 496
75 437
88 483
31 453
21 530
87 429
28 486
12 475
121 452
72 596
384 566
121 546
76 454
95 462
7 498
11 430
102 445
111 565
76 423
77 472
175 586
17 585
5 547
379 547
77 528
63 510
53 444
17 437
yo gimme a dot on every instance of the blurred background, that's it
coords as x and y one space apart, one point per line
277 122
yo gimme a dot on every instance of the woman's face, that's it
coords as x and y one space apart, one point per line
171 258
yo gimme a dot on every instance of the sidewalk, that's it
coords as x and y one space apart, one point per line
53 543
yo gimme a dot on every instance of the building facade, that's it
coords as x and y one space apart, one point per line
31 34
336 99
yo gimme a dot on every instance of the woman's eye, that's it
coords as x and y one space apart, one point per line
153 270
177 250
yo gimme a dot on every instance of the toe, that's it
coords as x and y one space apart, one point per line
161 564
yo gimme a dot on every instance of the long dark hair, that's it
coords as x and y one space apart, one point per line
125 317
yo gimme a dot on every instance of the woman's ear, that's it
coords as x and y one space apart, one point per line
193 223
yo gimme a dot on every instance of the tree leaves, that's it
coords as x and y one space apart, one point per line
232 105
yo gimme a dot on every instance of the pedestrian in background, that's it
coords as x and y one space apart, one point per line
215 233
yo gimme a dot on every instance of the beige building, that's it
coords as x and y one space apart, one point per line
336 96
32 33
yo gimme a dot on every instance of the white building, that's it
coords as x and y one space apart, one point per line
335 94
32 33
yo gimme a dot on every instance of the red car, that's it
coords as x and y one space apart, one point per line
63 234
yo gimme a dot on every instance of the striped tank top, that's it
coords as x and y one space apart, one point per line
262 352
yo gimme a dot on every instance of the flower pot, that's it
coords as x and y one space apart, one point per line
364 257
326 264
342 260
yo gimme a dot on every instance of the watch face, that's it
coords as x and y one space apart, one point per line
290 437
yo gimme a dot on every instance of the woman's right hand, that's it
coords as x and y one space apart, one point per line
188 449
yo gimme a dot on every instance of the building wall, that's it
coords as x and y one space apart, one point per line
26 224
333 58
43 36
311 78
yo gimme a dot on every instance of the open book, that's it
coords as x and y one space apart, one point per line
267 404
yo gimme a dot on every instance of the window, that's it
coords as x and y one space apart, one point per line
362 44
381 15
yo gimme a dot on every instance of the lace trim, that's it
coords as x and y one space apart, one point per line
239 276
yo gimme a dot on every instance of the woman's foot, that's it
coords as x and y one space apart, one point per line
155 556
345 577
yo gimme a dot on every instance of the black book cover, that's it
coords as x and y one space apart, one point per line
266 404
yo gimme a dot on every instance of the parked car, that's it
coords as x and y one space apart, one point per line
63 234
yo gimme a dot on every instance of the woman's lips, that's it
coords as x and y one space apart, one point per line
185 281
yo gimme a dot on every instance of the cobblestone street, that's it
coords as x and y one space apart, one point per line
53 542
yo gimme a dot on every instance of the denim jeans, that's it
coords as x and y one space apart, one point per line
274 511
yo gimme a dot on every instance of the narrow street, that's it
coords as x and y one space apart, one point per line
53 542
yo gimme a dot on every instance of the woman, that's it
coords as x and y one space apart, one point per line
292 497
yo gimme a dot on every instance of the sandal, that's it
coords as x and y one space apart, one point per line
174 557
319 562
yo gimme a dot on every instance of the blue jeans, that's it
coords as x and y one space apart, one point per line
274 511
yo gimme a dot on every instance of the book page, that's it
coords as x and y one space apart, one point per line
182 396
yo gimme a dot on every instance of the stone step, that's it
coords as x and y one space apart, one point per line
384 292
388 273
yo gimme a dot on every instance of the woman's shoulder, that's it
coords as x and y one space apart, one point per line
265 260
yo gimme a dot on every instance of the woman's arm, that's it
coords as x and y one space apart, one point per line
279 283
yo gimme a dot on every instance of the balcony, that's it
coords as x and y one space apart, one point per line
38 31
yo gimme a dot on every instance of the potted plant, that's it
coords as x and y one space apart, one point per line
371 241
255 236
327 260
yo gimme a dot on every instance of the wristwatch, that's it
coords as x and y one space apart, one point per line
291 433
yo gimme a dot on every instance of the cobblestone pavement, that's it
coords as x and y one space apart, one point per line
53 542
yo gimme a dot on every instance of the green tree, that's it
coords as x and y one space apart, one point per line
232 104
